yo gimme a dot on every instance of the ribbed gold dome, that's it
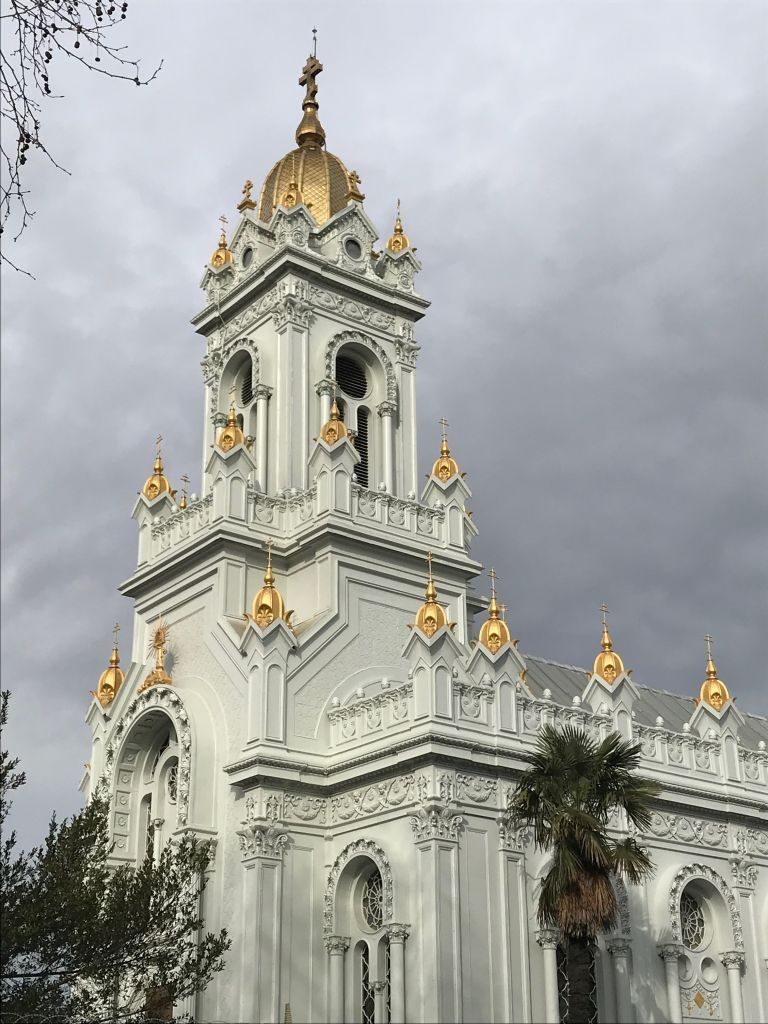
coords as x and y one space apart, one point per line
320 178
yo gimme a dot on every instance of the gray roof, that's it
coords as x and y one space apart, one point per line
566 681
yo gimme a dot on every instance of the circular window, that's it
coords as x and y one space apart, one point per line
353 249
691 921
247 256
372 901
350 376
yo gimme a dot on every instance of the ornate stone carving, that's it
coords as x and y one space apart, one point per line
622 902
751 840
369 710
351 309
743 874
436 820
406 347
166 699
398 932
336 944
670 951
732 959
681 879
377 797
261 840
359 848
344 338
619 948
305 808
548 938
292 310
688 830
513 835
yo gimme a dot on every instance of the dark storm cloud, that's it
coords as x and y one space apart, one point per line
586 186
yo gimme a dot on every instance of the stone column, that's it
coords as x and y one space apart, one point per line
337 946
547 939
326 390
157 838
262 394
387 411
398 933
380 1002
670 953
621 950
733 961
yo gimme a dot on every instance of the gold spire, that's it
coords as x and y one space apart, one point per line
157 484
335 428
231 435
608 665
310 132
494 632
268 604
713 690
446 466
246 203
111 679
222 255
398 241
431 616
159 643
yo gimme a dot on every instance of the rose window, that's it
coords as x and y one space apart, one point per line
373 901
691 922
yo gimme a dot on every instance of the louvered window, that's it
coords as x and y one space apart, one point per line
361 443
246 387
350 376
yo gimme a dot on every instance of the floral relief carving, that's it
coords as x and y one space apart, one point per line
364 848
688 830
305 808
681 879
352 309
371 799
436 820
261 840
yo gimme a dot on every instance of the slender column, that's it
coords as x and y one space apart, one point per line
547 940
262 393
398 933
670 954
380 1002
157 835
386 411
621 951
326 389
337 946
733 961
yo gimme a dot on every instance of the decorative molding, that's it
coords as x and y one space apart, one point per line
513 835
670 951
752 840
468 788
398 932
688 830
620 949
292 310
347 337
733 959
436 820
687 874
471 698
359 848
351 309
165 699
379 796
370 710
547 938
743 874
338 944
305 808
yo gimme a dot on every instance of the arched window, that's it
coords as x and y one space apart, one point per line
361 386
361 444
704 931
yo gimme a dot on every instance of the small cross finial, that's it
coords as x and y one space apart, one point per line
493 577
223 220
247 188
444 424
185 481
398 209
159 444
314 42
708 640
115 631
604 610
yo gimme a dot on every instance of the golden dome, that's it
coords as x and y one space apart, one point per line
268 604
494 632
157 484
446 466
111 679
231 435
713 690
309 174
335 428
222 255
608 664
399 241
431 616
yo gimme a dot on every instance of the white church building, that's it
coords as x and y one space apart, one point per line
328 702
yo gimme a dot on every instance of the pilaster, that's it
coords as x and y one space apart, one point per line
266 652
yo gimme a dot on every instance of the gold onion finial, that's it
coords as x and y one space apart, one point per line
446 466
112 678
335 428
494 632
231 435
398 241
268 604
713 690
608 664
157 484
222 255
310 132
159 644
431 616
184 492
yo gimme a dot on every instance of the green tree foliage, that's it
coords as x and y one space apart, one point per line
568 794
84 940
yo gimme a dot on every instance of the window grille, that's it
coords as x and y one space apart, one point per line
361 444
373 901
172 783
388 979
691 921
367 1001
350 376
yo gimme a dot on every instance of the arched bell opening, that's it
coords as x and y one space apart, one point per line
237 388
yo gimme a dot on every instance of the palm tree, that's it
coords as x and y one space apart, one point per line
573 785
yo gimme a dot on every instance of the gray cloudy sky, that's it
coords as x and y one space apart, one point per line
586 184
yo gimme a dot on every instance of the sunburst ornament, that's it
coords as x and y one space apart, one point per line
159 644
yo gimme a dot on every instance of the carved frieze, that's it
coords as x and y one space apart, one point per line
351 309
